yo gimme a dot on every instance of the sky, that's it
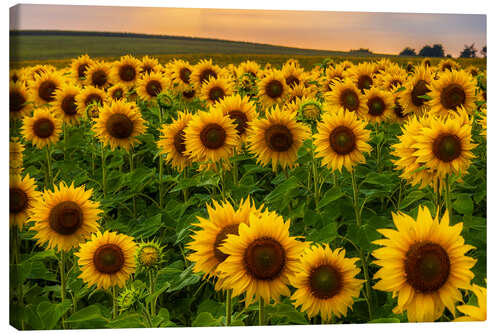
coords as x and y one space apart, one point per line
387 33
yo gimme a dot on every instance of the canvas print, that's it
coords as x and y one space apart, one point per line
174 167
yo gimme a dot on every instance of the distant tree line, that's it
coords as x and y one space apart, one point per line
437 50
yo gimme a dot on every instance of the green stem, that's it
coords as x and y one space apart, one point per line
447 195
151 291
16 243
367 282
131 162
185 190
261 312
160 181
355 198
235 167
103 160
315 180
50 181
113 295
65 140
63 283
228 307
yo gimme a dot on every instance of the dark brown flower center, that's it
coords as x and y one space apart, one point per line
119 126
81 70
349 99
274 89
213 136
484 95
66 218
153 88
18 200
364 82
93 98
215 93
206 74
16 101
409 68
447 147
447 67
427 63
278 138
264 259
452 96
46 91
221 237
188 94
394 83
179 142
185 75
146 69
419 89
427 267
376 106
117 93
127 73
43 128
473 72
325 281
342 140
109 259
68 105
99 78
240 119
292 80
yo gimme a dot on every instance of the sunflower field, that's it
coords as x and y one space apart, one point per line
172 194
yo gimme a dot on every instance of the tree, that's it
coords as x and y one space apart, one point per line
483 51
408 52
435 51
468 52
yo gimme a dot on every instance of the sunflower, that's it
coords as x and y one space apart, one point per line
448 65
43 87
261 258
423 262
300 91
42 129
332 73
117 92
149 255
307 109
65 106
16 75
482 119
16 149
107 260
79 67
19 100
390 80
98 75
119 124
210 136
125 71
379 103
362 75
188 95
151 85
341 140
180 74
398 115
172 141
202 72
22 197
241 110
445 145
223 220
89 100
149 65
248 67
326 282
293 73
272 88
214 89
346 95
451 90
415 87
65 217
32 72
426 62
471 312
277 138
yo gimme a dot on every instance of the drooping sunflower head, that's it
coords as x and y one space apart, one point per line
98 75
261 258
346 95
214 89
150 85
453 89
180 74
223 220
341 140
42 129
149 65
19 100
423 263
43 87
277 138
397 113
117 92
65 105
272 88
379 103
202 72
119 124
90 100
126 71
211 136
172 141
149 255
65 217
107 260
22 197
418 85
241 110
326 283
79 68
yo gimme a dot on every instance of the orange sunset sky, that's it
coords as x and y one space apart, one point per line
327 30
